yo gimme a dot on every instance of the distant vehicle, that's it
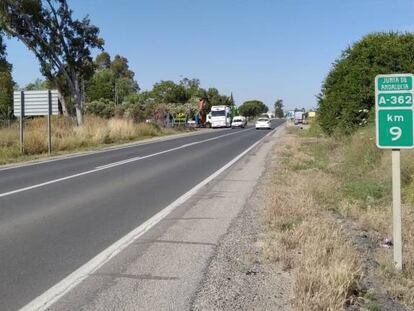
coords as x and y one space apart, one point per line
239 121
299 117
269 115
263 123
312 114
220 116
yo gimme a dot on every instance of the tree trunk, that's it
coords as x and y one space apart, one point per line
79 115
78 103
63 103
62 100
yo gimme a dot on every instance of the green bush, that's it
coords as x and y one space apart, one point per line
347 94
103 108
135 112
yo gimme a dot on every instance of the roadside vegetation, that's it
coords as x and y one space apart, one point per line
327 193
101 94
330 203
347 94
67 137
325 265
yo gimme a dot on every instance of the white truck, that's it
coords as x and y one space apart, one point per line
299 117
220 116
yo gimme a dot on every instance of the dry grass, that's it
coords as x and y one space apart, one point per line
326 266
350 176
68 137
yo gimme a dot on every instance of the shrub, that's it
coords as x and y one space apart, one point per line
103 108
134 111
347 93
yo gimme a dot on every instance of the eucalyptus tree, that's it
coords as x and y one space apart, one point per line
6 84
61 43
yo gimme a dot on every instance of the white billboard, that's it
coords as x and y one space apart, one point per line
36 103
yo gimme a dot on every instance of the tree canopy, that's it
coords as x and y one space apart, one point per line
166 92
61 43
37 84
348 90
252 108
112 80
279 109
6 84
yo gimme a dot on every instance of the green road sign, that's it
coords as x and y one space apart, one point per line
398 82
394 111
395 128
395 100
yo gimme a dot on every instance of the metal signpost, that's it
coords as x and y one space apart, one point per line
394 130
36 103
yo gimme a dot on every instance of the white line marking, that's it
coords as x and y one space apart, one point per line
119 163
49 182
54 293
110 165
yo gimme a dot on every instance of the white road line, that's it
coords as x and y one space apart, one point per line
110 165
162 152
119 163
53 294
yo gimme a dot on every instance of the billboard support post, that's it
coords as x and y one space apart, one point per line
49 123
21 121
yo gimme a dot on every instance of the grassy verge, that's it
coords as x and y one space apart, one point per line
316 178
66 137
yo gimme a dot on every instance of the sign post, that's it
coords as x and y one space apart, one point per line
395 130
21 121
49 123
396 208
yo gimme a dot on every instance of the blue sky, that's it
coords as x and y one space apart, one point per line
259 49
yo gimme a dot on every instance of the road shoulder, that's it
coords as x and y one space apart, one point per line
238 276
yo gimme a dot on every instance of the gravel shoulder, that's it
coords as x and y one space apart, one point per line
238 277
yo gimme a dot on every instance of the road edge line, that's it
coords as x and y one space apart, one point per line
53 294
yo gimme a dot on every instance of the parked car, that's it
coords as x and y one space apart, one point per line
238 121
263 123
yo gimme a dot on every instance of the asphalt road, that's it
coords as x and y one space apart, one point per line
55 216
